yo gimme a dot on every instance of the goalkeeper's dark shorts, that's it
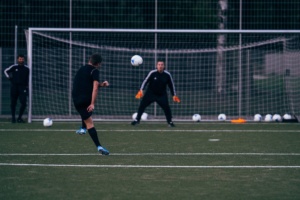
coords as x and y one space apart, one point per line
82 110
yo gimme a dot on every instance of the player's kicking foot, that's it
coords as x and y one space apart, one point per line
135 122
103 151
81 131
171 124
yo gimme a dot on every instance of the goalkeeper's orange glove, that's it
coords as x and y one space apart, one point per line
139 94
176 99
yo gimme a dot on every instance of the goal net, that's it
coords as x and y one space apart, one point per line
238 73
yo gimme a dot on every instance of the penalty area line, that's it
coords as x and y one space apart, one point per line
152 166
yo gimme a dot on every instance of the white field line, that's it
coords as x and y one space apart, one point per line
153 154
154 166
146 130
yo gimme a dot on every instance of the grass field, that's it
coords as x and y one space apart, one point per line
151 161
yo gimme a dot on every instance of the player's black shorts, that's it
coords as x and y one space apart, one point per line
82 110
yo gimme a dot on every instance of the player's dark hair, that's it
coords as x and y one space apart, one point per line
20 56
160 60
95 59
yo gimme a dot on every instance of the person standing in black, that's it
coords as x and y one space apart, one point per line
84 93
18 74
157 81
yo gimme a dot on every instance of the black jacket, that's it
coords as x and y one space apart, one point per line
158 82
18 74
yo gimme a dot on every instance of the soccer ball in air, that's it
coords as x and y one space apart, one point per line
277 118
257 118
222 117
136 60
47 122
268 118
196 118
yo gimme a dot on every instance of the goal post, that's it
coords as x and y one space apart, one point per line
258 74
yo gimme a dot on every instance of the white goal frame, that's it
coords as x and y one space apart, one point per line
70 30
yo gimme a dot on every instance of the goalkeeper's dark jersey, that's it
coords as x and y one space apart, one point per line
158 82
83 84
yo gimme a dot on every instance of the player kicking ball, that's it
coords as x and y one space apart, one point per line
157 81
84 93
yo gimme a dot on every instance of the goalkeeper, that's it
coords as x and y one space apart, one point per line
157 81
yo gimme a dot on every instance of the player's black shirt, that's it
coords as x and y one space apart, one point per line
83 84
18 74
158 82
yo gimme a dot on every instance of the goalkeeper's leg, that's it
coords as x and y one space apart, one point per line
164 104
146 101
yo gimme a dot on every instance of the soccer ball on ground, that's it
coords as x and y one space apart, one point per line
144 116
277 118
136 60
287 116
47 122
222 117
196 118
268 118
257 118
134 116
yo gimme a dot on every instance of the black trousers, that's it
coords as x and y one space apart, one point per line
18 92
161 100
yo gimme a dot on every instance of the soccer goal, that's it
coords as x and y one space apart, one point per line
236 72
